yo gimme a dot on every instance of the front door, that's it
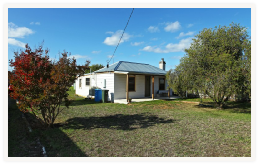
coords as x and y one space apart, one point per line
147 86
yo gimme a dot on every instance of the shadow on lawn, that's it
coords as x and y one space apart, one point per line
82 102
22 143
233 107
118 121
55 140
58 144
238 107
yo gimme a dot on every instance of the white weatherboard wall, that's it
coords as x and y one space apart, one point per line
156 84
96 80
116 84
120 86
84 89
139 87
109 83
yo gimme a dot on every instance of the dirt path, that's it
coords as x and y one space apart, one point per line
190 102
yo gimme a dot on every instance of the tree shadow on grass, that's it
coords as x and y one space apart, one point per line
82 102
238 107
22 143
56 142
210 105
233 107
118 121
168 100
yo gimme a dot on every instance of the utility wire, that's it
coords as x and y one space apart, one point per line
121 36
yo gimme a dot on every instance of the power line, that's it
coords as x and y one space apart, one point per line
121 36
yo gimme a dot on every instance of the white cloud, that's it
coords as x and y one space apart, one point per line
77 56
176 57
154 49
183 44
154 39
189 25
136 43
172 27
109 32
153 29
35 23
110 56
182 34
53 59
18 32
15 42
115 38
96 52
10 68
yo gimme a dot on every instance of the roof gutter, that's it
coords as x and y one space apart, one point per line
120 72
141 73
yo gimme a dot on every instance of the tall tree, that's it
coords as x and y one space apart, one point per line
41 85
218 63
94 67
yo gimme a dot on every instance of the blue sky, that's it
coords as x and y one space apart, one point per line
93 34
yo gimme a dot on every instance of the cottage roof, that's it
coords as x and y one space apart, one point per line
132 67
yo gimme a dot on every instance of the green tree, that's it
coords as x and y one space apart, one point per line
179 79
94 67
217 64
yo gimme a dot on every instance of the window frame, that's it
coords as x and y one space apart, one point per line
132 76
87 81
80 83
161 84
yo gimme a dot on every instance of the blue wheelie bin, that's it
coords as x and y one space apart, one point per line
98 95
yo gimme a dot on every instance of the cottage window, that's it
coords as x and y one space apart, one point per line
80 83
161 83
87 81
132 83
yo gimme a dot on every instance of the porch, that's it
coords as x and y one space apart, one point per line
124 101
139 86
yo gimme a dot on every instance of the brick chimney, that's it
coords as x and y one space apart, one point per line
162 64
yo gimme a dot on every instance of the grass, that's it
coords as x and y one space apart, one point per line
178 128
21 143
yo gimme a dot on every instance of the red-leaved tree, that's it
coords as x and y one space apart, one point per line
40 85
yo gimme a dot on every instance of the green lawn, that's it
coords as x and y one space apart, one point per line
155 129
178 128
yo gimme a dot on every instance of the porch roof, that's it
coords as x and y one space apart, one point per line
132 67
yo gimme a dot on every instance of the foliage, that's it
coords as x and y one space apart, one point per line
174 80
41 85
94 67
217 64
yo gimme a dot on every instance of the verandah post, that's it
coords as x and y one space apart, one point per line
127 88
153 80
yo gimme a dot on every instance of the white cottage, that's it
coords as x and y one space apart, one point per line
125 80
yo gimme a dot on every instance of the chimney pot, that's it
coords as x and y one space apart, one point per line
162 64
